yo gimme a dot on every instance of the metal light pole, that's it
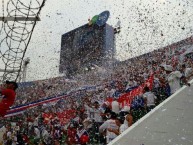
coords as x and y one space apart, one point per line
24 69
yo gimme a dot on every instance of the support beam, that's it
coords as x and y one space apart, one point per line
19 19
10 71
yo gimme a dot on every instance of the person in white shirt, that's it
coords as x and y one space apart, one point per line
37 135
123 127
95 114
149 99
9 137
14 138
80 132
35 123
173 78
187 72
115 106
111 128
128 119
45 136
131 83
110 92
87 122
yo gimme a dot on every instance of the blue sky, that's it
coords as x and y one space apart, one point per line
146 25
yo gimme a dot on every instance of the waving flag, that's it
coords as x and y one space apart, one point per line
127 98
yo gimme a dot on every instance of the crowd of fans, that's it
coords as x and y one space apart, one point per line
93 120
37 90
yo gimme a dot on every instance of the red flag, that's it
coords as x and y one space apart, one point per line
127 98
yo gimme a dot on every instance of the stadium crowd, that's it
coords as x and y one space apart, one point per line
37 90
89 117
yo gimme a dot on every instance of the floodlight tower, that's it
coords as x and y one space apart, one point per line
18 20
24 69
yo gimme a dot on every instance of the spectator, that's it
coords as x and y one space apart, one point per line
36 136
107 110
173 78
96 116
45 136
186 72
87 122
82 136
149 99
8 95
110 127
115 106
71 133
128 119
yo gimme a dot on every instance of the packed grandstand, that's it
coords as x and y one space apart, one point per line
90 109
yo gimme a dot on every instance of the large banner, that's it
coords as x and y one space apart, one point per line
127 98
20 109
